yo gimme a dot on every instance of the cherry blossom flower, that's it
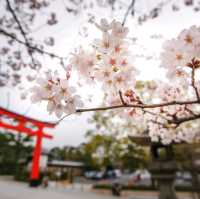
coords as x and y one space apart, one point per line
72 103
190 39
60 96
84 62
104 25
105 44
169 92
177 53
118 30
44 88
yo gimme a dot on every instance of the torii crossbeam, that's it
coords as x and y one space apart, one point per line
24 124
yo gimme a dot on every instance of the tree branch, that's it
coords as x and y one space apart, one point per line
176 121
190 111
186 119
193 82
131 6
38 50
21 30
121 98
144 106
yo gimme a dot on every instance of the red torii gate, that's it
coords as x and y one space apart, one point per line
21 127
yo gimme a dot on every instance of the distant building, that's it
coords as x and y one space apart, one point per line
54 169
68 168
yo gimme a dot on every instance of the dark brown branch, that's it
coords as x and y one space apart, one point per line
20 29
130 7
190 111
144 106
38 50
186 119
176 121
17 21
121 98
193 82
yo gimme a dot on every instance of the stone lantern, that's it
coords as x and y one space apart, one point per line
162 166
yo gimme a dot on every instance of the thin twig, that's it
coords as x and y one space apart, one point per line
190 111
186 119
121 98
61 119
131 6
21 30
12 36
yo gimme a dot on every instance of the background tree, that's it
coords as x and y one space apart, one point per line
13 148
66 153
109 142
104 151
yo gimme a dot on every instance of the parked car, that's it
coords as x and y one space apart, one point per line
110 174
183 178
184 175
139 177
98 175
90 174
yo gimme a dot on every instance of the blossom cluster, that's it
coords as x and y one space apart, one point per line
160 125
60 96
178 53
110 61
186 133
110 64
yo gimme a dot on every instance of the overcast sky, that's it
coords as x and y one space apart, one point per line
71 131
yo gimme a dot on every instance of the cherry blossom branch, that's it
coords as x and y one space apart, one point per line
190 111
144 106
175 120
186 119
38 50
144 111
157 115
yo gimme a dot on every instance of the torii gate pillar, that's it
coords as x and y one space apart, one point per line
21 127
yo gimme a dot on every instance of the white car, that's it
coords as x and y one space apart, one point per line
141 177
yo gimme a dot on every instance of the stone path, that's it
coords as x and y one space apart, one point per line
15 190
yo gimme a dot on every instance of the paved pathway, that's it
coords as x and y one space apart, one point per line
15 190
